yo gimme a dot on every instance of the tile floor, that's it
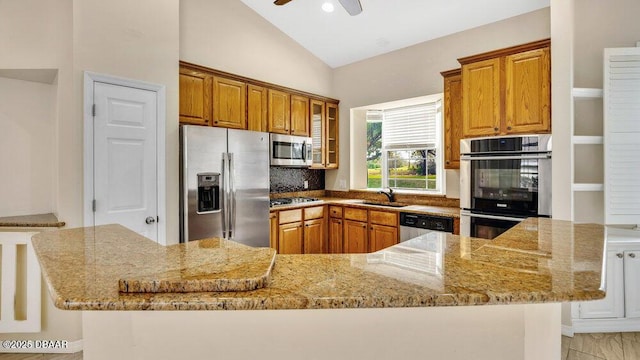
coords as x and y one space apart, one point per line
75 356
596 346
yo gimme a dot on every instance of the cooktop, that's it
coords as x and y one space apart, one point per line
290 200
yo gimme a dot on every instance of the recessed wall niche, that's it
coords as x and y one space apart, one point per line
28 112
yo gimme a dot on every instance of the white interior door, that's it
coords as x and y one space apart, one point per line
125 160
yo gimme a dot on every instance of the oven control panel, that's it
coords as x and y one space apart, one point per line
430 222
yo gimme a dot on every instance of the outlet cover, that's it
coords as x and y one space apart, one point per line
306 184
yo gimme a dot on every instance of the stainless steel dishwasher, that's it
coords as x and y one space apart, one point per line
413 225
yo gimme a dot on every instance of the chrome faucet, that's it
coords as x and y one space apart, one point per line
389 194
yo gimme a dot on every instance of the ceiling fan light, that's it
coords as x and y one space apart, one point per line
328 7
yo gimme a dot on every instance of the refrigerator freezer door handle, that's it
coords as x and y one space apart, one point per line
232 200
225 212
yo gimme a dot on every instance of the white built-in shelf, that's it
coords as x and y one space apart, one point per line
588 140
588 187
586 93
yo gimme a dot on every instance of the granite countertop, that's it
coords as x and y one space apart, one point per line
421 209
539 260
31 221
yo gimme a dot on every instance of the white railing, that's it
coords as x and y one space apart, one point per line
20 295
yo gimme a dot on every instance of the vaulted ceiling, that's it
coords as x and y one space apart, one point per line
384 25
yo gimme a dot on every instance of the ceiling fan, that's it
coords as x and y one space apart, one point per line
353 7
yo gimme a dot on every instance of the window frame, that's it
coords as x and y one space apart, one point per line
439 149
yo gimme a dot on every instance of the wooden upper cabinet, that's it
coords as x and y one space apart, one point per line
299 115
256 108
507 91
331 141
229 103
318 125
481 98
279 107
528 94
324 133
452 118
195 97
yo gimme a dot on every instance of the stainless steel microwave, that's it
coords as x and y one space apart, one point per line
291 151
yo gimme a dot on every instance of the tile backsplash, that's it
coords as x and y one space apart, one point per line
292 179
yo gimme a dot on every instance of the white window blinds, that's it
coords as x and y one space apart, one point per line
622 135
410 127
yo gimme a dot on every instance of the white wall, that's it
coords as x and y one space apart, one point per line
131 39
37 34
229 36
415 71
27 152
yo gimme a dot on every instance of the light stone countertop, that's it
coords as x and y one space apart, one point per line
453 212
31 221
539 260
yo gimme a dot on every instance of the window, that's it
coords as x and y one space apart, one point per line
403 147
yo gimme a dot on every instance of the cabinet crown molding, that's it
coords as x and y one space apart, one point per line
505 52
199 68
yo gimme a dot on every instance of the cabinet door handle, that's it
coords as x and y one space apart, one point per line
619 255
364 226
508 127
495 129
632 255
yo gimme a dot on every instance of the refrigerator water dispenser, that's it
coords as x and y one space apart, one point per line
208 193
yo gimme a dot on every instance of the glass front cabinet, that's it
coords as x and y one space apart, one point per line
324 132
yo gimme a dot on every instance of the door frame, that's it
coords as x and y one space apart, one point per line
89 79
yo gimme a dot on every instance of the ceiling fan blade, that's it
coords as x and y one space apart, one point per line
281 2
353 7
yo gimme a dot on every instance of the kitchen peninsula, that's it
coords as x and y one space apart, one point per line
522 275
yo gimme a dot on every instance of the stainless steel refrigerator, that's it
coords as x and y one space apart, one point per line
224 185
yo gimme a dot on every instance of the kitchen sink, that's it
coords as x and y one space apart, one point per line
387 204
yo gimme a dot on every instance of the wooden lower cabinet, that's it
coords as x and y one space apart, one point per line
333 229
290 238
315 237
355 237
381 237
335 235
273 230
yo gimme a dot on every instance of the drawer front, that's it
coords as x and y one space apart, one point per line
315 212
383 218
355 214
335 211
288 216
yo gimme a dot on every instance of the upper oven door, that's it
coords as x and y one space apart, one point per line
510 182
287 150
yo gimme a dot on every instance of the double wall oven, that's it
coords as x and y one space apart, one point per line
503 180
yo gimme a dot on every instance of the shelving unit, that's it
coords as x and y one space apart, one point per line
587 142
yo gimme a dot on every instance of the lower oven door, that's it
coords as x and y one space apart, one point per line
485 226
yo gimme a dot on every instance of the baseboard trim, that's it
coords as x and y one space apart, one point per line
567 330
72 347
606 325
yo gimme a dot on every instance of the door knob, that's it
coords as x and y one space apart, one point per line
150 220
632 255
619 255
